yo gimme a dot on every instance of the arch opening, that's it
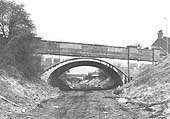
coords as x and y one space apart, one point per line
61 78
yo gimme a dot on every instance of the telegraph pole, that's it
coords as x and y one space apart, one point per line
128 64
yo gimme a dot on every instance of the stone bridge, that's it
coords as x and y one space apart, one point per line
90 54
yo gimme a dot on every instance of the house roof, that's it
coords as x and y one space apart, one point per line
161 43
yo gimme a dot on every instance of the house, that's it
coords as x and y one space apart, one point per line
162 43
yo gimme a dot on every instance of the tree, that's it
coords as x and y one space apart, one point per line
138 45
14 21
16 34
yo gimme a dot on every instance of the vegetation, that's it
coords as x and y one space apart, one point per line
16 34
134 68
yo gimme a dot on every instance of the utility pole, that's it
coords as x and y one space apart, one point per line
128 64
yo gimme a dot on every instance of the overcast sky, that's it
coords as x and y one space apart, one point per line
105 22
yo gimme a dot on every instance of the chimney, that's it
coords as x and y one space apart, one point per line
160 34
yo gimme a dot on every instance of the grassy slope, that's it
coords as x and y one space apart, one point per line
25 94
152 86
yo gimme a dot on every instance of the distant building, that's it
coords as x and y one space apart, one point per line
162 43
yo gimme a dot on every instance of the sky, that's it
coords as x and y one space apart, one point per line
105 22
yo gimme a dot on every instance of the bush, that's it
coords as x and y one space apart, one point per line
25 61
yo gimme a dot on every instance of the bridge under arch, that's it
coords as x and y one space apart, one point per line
55 71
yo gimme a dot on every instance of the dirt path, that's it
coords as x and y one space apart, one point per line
80 105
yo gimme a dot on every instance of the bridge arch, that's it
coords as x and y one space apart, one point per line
56 70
